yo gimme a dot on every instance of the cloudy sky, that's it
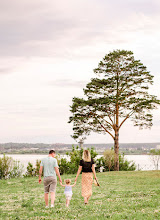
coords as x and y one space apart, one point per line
48 50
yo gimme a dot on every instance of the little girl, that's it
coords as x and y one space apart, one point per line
68 190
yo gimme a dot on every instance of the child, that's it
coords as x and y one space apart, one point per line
68 190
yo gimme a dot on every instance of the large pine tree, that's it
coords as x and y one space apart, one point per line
119 92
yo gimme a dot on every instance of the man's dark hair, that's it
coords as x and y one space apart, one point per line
52 151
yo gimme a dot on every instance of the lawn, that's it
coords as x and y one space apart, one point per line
122 195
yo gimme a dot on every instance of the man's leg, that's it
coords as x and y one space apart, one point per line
53 190
52 198
46 198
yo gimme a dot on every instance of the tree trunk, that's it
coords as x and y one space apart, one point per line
116 150
116 128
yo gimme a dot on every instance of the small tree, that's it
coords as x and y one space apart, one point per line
38 163
10 168
109 158
119 92
155 157
30 170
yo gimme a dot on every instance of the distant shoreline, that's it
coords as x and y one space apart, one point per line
60 148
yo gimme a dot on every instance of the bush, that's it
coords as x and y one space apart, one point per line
124 164
109 158
10 168
32 171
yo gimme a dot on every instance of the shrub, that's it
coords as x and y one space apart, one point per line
17 170
32 171
124 164
10 168
109 158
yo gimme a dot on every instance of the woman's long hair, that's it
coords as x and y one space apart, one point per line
86 156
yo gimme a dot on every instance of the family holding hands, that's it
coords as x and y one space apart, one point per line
50 170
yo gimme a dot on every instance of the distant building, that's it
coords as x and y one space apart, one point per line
158 147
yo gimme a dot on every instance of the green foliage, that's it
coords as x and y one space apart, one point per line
119 92
17 170
125 165
63 166
123 83
38 162
31 170
155 152
10 168
71 167
107 163
109 158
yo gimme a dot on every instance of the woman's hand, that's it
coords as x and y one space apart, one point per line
78 172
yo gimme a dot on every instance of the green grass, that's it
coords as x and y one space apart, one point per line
122 195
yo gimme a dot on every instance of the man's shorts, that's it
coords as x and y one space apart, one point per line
68 196
50 183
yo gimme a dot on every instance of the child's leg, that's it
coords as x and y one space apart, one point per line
67 202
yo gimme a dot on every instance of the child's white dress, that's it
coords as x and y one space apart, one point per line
68 192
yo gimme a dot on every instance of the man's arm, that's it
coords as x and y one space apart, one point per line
58 174
62 184
40 173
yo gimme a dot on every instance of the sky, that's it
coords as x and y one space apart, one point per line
48 50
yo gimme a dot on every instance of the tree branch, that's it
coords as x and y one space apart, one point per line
105 129
126 118
102 118
110 116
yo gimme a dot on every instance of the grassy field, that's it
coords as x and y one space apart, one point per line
122 195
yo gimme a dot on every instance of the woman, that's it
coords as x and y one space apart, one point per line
88 169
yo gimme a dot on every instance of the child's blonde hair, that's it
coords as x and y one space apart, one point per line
86 156
67 181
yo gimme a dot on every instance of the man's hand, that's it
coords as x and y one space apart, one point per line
60 181
40 180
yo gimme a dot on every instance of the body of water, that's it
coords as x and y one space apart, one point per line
143 162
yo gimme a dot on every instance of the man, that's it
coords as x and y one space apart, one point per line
49 167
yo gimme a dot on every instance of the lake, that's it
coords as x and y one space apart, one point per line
143 162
